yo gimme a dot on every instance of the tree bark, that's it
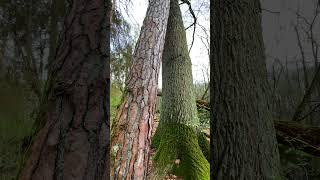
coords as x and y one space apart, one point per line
176 132
244 139
131 133
73 144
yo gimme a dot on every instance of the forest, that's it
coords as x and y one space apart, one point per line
159 89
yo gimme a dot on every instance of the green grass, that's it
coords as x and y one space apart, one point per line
115 100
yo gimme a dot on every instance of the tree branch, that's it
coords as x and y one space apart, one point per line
194 22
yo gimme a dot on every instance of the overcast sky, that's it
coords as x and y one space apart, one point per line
136 12
278 21
278 29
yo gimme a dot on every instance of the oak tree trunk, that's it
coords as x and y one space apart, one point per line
244 138
131 131
176 133
73 143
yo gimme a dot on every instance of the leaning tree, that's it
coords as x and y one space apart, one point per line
245 145
131 129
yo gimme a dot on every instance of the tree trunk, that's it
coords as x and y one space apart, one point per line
55 13
131 132
73 144
307 106
178 109
244 139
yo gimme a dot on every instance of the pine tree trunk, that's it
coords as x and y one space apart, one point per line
73 144
131 132
244 140
178 119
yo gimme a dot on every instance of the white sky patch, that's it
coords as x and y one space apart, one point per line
135 13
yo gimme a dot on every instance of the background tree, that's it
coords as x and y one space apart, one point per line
244 137
32 30
26 40
121 49
178 121
131 130
73 144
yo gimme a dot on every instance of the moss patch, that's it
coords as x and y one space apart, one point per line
204 145
156 138
179 153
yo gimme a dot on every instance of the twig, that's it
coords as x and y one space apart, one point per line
313 110
269 11
194 22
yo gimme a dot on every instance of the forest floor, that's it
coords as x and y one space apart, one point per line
15 126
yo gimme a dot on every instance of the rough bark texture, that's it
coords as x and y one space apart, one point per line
132 129
73 144
178 100
244 139
176 133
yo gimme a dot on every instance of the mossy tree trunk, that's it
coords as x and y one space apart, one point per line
178 119
131 130
244 138
73 143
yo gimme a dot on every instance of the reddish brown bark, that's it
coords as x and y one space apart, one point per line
73 144
133 126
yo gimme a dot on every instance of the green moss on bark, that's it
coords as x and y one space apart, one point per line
204 145
156 137
179 141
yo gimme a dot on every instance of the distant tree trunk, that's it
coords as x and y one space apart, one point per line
304 65
55 13
178 107
131 131
73 144
305 75
306 97
244 138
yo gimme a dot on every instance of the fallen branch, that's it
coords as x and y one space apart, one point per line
203 104
290 133
200 103
306 139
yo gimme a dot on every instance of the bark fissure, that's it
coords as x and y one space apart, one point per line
131 131
73 142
